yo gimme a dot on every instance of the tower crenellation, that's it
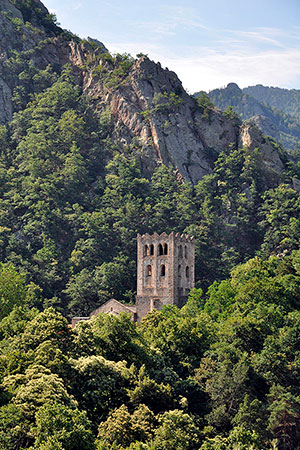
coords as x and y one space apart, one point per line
165 270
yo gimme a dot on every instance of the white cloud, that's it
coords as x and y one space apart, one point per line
208 68
156 27
212 70
268 56
77 5
183 16
168 20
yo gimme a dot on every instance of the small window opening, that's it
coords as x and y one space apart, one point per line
185 252
179 270
149 271
146 250
151 249
180 251
165 249
187 272
160 249
162 270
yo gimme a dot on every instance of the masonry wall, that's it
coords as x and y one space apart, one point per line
114 307
184 269
165 271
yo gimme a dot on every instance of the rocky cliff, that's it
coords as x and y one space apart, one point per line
149 109
268 108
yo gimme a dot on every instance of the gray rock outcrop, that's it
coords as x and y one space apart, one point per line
149 106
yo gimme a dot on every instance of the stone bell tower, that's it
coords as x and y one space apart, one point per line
165 271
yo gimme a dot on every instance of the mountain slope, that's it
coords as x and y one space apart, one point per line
147 103
286 100
95 148
269 108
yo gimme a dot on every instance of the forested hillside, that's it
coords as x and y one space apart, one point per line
286 100
275 111
95 148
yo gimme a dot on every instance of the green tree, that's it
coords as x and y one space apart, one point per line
177 431
14 428
280 220
284 416
68 426
37 387
99 385
12 289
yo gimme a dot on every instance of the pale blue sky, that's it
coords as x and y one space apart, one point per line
207 43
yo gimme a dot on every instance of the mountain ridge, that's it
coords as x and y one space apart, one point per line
147 103
96 148
273 110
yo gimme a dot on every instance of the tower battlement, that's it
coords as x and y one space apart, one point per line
164 235
165 270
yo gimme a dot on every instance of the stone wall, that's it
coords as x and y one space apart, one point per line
114 307
165 271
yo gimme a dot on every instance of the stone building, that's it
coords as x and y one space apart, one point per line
165 271
165 275
115 307
112 306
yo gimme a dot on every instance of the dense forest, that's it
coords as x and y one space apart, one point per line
222 372
274 110
286 100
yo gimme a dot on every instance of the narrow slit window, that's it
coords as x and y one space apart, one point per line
151 249
187 272
180 251
179 271
185 252
165 249
148 271
162 270
160 250
146 250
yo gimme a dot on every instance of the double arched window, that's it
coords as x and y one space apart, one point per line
162 249
149 250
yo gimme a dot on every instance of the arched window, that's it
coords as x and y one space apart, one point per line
160 249
179 271
165 249
151 249
148 271
185 251
162 270
146 250
180 251
187 272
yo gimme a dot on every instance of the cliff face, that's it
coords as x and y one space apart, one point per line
273 110
150 111
153 107
36 43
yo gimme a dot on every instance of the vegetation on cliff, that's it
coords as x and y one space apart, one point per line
72 204
274 110
222 372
